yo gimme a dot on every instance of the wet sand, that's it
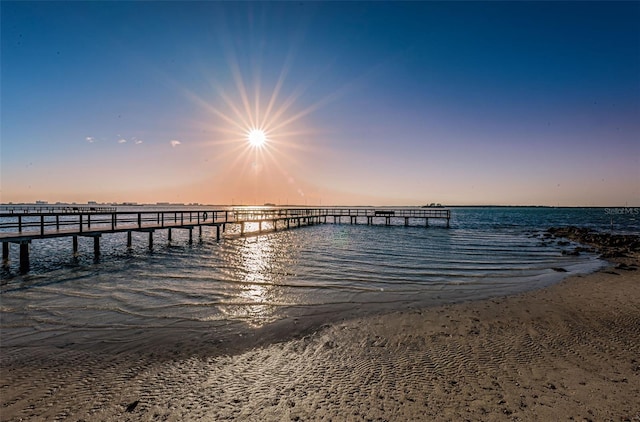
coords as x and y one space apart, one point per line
567 352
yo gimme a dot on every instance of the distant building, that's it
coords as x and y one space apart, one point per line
42 202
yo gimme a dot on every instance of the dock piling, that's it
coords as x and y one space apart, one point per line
24 256
96 247
5 253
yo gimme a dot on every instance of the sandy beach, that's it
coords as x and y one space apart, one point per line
567 352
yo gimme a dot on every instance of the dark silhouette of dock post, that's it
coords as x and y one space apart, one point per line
96 247
74 244
150 240
169 235
129 239
5 254
191 235
24 256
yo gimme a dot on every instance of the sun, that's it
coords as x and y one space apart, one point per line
257 138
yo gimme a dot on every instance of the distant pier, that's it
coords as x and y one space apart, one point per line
22 225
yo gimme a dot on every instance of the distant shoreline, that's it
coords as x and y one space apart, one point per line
63 204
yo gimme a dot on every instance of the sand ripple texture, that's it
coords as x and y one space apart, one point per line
571 351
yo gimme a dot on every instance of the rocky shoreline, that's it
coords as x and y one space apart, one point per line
606 244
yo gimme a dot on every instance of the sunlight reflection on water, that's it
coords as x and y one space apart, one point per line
254 261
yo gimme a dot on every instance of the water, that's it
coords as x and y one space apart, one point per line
323 270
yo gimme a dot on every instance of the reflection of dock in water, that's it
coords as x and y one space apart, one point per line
23 225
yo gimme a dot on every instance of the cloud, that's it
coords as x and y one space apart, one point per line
122 141
138 141
90 139
174 143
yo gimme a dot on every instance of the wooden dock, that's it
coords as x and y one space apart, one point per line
21 225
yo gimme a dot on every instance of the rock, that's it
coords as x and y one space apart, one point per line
626 267
609 245
559 270
571 253
132 406
613 253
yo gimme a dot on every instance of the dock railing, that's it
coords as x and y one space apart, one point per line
63 221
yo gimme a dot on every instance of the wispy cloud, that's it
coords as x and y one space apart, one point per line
136 140
174 143
122 141
90 139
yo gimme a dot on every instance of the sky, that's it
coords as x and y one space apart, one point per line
361 103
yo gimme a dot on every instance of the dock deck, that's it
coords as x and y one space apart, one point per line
23 225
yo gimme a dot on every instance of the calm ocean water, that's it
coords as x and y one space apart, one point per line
258 279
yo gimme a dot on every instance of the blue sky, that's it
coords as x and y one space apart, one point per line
362 102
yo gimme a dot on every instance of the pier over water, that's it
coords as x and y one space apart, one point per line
22 225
